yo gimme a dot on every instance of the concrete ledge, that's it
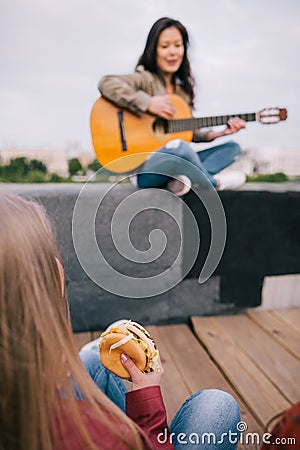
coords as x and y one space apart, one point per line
263 239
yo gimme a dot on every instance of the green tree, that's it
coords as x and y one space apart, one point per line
18 167
16 170
37 166
55 178
94 165
35 176
74 166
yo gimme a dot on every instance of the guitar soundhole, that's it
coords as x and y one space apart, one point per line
160 126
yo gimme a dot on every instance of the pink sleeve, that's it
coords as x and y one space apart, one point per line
146 408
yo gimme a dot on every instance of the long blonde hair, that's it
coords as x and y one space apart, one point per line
37 349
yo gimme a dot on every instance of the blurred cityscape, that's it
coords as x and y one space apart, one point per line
269 160
255 161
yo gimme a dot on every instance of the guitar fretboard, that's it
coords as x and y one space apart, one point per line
177 125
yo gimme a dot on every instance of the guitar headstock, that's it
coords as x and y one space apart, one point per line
272 115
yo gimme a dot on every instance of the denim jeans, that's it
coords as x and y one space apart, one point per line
178 158
207 420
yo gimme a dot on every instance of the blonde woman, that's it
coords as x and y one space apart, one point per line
40 408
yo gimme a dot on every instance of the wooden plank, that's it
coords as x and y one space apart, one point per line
282 368
82 338
174 389
290 315
280 330
254 387
196 368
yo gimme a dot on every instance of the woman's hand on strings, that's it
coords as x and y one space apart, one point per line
234 125
160 106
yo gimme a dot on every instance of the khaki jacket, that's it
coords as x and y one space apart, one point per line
135 90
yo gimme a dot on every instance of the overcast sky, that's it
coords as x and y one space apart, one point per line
245 56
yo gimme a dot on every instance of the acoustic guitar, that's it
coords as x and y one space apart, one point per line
117 133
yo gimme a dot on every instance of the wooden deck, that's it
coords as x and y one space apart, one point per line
254 356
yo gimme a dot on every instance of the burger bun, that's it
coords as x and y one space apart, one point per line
111 358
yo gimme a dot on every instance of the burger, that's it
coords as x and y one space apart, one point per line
132 339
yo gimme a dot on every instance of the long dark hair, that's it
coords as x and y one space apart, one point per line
149 61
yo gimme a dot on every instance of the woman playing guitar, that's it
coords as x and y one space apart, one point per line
164 69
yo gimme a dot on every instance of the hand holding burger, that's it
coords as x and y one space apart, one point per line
127 350
141 379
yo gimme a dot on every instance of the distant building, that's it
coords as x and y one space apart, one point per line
276 159
85 159
56 161
291 162
267 160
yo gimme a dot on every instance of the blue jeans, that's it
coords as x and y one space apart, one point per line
178 158
208 419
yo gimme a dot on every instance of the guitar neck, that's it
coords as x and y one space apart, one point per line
177 125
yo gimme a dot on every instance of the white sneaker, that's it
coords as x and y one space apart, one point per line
230 180
180 185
